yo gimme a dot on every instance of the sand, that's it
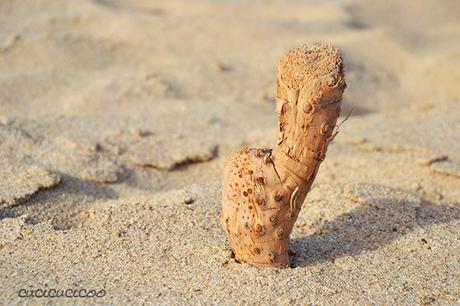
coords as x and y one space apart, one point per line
116 118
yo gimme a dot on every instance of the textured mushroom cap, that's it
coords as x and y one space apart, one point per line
302 65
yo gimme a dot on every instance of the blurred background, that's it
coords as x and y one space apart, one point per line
126 92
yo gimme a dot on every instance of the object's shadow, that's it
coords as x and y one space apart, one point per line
367 228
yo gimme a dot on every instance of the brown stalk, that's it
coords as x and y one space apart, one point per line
263 190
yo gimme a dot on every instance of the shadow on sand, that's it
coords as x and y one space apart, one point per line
367 228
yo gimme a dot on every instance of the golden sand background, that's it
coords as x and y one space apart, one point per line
116 118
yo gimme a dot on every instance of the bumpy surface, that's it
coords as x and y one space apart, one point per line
19 181
263 191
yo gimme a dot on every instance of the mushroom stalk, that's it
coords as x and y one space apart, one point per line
263 190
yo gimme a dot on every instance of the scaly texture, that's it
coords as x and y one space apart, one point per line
263 191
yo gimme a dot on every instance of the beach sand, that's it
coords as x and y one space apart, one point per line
116 118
